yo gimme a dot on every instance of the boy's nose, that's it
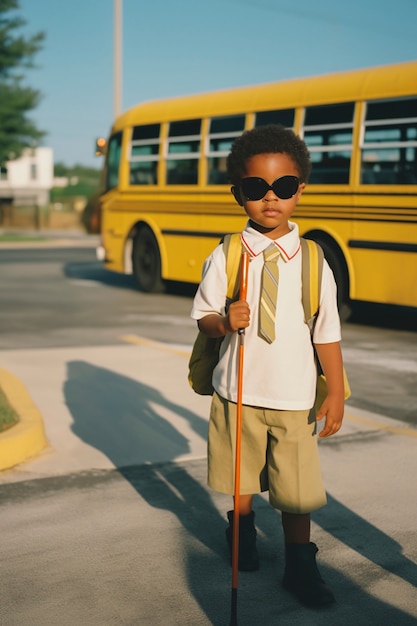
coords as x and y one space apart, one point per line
270 195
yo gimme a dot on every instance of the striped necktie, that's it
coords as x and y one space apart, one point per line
269 293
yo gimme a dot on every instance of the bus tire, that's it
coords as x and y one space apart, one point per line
337 263
146 261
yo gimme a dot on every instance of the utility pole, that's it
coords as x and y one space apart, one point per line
117 57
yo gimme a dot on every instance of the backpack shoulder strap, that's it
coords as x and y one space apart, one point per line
311 273
232 248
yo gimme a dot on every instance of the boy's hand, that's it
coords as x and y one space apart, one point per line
330 357
332 409
214 325
238 315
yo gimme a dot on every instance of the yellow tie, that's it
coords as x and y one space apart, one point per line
269 293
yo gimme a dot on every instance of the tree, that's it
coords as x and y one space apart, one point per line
17 131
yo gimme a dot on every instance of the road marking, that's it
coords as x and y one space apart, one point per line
165 347
170 320
374 423
186 352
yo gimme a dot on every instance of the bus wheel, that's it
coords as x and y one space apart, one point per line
146 261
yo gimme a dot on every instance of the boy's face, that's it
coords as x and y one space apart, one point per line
270 214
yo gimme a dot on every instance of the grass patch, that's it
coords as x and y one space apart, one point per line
8 416
17 238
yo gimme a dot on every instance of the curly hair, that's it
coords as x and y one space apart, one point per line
267 139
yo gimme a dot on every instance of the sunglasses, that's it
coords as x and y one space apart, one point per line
254 188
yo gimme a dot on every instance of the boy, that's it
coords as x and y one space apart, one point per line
268 168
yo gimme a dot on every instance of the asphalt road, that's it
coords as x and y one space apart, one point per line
57 297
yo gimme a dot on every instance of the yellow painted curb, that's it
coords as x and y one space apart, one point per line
27 438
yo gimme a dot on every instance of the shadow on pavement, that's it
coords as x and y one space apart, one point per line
387 316
95 271
124 419
120 416
365 539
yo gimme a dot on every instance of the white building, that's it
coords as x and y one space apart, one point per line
28 180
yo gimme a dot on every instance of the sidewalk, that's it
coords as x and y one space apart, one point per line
29 238
109 407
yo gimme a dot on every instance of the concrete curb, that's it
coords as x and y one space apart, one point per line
27 438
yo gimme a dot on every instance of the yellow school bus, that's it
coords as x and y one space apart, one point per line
167 201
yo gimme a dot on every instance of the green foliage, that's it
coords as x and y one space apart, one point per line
8 416
17 131
87 182
88 175
87 185
81 188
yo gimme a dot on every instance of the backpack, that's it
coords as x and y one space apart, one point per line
205 352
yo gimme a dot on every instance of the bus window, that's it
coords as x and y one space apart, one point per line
389 148
223 131
113 161
183 152
283 116
328 133
144 155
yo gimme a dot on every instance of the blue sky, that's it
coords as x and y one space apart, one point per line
175 47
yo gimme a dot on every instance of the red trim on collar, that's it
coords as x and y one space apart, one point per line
245 243
284 253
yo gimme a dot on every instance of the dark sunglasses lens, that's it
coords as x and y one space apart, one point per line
254 188
285 187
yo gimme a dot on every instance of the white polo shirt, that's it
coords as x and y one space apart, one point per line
280 375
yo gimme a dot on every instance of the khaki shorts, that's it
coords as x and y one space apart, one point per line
279 453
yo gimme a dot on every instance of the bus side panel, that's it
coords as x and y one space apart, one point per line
112 232
394 283
186 234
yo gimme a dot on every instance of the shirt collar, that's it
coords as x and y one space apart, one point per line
256 243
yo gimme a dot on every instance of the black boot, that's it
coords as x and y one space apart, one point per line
248 555
302 576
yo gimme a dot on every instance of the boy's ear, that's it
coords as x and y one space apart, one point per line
300 190
236 193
